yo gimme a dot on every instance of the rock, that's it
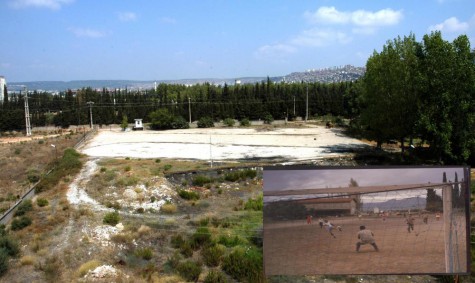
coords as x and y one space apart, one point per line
130 194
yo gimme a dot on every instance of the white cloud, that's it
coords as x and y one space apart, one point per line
451 25
330 15
50 4
276 50
167 20
82 32
127 16
320 37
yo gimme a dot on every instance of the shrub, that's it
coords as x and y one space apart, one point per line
176 241
167 167
27 260
229 122
127 168
111 218
168 208
244 264
85 267
239 175
115 205
189 270
33 176
20 223
212 255
23 207
188 195
245 122
41 202
9 246
174 260
255 204
3 262
230 241
186 249
205 122
200 180
144 253
157 160
268 119
201 237
215 276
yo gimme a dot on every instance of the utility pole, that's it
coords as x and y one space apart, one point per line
90 103
294 105
27 114
306 107
189 108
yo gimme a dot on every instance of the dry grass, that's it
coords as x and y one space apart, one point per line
85 267
28 260
169 208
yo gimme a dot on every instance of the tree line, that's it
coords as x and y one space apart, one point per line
414 92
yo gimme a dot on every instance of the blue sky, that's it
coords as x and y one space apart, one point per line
159 40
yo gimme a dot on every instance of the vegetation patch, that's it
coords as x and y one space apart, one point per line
111 218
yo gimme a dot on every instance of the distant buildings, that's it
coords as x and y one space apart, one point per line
3 84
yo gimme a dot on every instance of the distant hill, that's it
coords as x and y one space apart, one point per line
397 204
328 75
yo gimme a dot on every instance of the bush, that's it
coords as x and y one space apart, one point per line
162 119
41 202
23 207
3 262
188 195
268 119
189 270
111 218
9 246
230 241
244 264
20 223
167 167
245 122
212 255
186 249
144 253
215 276
255 204
33 176
240 175
168 208
201 237
200 180
177 241
229 122
205 122
85 267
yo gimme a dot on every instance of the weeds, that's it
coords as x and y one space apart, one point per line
190 270
111 218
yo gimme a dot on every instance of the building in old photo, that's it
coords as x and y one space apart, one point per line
330 206
3 84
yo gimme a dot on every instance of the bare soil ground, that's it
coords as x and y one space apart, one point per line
298 248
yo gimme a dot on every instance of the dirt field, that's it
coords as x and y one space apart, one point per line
297 248
277 144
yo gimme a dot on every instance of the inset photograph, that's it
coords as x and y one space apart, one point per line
363 220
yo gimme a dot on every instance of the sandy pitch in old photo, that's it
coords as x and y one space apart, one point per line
366 220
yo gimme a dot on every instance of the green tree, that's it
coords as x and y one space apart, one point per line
125 123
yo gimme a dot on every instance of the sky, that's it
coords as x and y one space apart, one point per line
277 179
63 40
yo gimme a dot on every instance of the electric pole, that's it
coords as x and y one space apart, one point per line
306 107
90 103
294 106
189 108
27 114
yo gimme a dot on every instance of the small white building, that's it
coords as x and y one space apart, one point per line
3 82
138 125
